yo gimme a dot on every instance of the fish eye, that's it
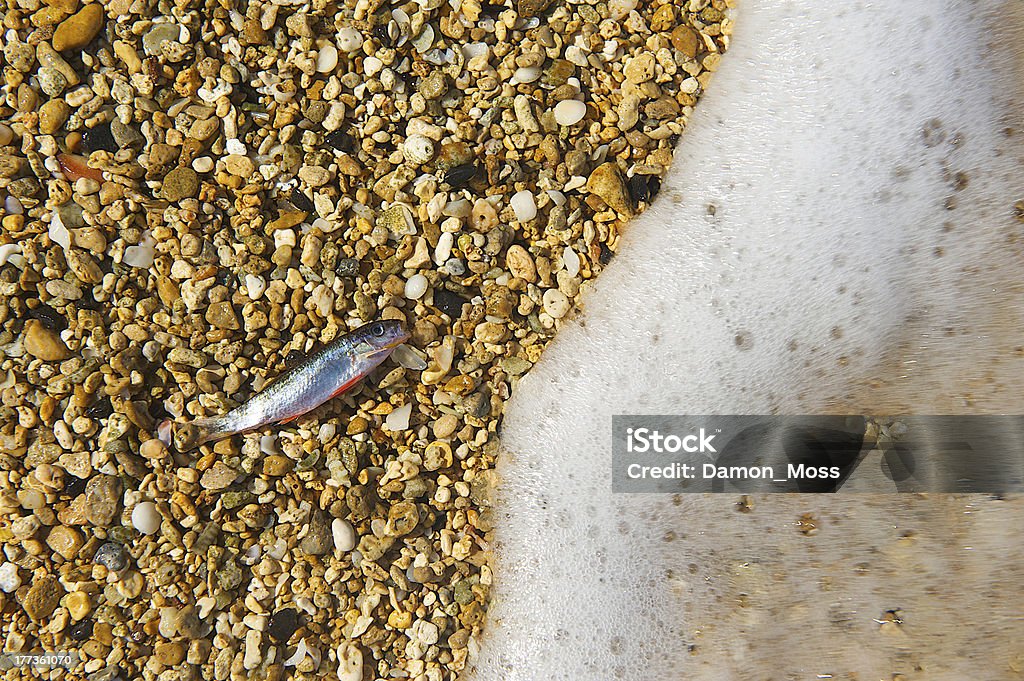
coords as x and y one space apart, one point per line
377 329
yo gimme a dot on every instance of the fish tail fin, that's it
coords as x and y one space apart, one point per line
186 436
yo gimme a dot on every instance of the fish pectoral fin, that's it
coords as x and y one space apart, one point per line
346 386
290 419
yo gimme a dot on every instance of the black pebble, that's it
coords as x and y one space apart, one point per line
448 302
347 268
101 410
98 138
50 318
341 141
283 624
301 201
460 176
80 631
112 556
606 255
73 486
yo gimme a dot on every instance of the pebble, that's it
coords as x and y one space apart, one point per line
344 535
180 183
415 287
607 182
112 556
570 112
153 449
79 29
78 604
418 149
43 597
66 541
349 39
157 35
239 166
10 580
524 205
571 261
556 303
318 539
327 59
520 264
102 497
222 315
399 418
44 344
218 477
169 653
145 518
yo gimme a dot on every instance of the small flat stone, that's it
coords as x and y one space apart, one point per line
180 183
78 604
125 135
685 40
66 541
606 181
222 315
44 344
43 597
102 498
79 29
320 538
239 165
218 477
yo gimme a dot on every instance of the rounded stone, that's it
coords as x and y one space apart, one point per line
570 112
79 29
145 518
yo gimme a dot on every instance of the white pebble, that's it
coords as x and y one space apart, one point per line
13 206
344 535
570 112
326 432
371 66
399 418
571 261
557 196
415 287
408 358
327 58
349 39
268 445
203 164
10 580
443 250
255 286
284 237
58 232
524 205
526 74
350 662
418 149
235 146
141 255
555 303
145 518
6 251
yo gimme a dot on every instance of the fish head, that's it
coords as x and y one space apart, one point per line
378 339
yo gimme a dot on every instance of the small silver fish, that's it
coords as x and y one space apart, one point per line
325 374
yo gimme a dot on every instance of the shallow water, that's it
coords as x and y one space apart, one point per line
814 249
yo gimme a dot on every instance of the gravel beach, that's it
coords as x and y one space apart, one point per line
193 197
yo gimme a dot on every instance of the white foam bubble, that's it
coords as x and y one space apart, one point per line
791 263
